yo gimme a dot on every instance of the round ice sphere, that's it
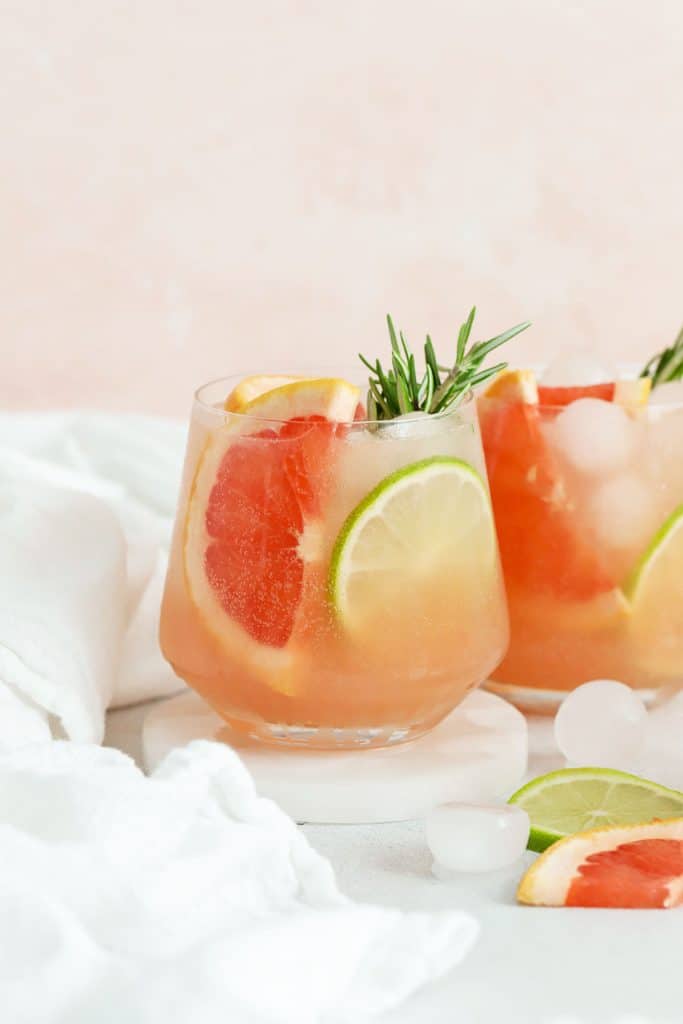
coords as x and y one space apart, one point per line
623 511
601 724
670 393
596 437
477 837
575 369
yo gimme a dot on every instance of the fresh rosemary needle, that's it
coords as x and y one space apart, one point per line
666 365
400 390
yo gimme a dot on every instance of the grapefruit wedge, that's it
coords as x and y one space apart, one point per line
634 866
542 547
254 520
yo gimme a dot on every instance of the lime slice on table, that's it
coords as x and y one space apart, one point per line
655 590
425 526
574 800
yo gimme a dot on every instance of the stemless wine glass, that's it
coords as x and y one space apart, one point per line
588 499
333 583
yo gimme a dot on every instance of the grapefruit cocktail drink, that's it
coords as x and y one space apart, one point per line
334 577
587 488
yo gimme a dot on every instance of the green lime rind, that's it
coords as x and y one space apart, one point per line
572 800
356 517
670 524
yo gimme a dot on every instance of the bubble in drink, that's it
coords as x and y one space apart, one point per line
477 837
596 437
601 724
623 511
575 369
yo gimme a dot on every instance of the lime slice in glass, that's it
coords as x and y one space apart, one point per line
579 799
655 591
423 529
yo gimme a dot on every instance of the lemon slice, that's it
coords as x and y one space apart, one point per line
427 523
574 800
655 590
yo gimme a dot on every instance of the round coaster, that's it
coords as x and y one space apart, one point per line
478 753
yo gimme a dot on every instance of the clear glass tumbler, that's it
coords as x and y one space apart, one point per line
332 584
588 499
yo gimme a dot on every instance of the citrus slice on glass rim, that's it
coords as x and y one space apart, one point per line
250 388
254 519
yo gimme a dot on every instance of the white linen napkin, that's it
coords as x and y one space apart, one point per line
185 897
87 503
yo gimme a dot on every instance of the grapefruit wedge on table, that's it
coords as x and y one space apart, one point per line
254 515
633 866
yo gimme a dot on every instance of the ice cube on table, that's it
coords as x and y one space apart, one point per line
477 837
596 437
623 511
602 724
576 369
670 393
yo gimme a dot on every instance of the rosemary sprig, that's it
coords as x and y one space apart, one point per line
398 390
666 365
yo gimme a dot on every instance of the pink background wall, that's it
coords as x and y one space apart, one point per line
192 188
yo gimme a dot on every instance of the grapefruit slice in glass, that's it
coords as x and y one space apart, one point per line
255 518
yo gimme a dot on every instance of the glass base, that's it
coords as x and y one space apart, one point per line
320 738
534 701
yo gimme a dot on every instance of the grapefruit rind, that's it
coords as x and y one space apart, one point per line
547 882
250 388
633 395
515 386
573 800
333 398
413 551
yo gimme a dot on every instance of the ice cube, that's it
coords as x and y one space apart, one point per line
602 724
477 837
411 425
670 393
623 511
596 437
576 369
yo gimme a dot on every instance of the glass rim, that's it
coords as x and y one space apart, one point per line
198 397
646 408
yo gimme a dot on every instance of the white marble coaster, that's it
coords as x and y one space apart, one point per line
478 753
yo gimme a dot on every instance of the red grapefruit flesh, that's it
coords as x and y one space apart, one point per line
541 548
253 527
637 874
268 487
631 867
561 396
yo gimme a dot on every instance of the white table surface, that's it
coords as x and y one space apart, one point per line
530 966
